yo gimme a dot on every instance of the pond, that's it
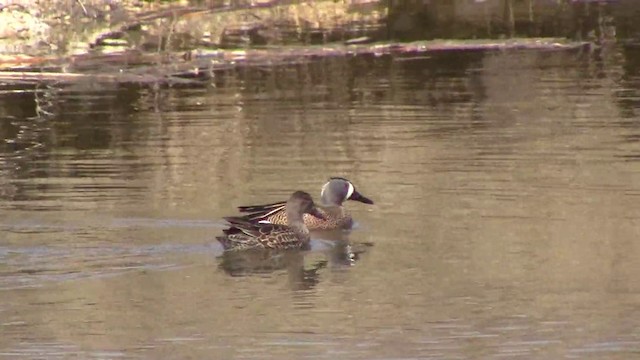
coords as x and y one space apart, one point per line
505 225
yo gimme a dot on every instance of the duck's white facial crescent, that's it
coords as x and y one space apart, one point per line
324 187
350 191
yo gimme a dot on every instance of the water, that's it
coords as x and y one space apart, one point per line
506 222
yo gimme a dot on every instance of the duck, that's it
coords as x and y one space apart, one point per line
244 234
334 193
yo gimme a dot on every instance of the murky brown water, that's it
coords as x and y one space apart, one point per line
506 224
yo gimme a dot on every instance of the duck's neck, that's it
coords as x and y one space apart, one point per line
295 221
328 200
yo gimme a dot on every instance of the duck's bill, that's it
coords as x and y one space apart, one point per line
316 213
356 196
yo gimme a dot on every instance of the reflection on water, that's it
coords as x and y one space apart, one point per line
505 225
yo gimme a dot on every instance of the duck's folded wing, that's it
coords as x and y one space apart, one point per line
261 212
276 236
261 208
240 224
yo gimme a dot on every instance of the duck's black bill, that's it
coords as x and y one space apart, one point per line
359 197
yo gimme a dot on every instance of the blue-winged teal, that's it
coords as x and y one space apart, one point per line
334 193
246 235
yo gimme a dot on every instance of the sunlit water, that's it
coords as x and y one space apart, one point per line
506 223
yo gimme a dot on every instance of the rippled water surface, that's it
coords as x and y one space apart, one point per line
506 221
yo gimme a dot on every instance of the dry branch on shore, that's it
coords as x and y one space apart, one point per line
184 68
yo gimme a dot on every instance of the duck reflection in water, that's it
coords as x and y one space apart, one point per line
302 267
271 262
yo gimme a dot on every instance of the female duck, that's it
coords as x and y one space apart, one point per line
245 235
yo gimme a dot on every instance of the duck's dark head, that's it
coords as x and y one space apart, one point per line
337 190
301 202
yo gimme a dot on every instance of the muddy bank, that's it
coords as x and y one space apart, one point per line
142 41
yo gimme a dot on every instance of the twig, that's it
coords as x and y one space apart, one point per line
19 76
84 9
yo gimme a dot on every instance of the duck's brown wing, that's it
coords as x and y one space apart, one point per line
269 236
280 237
235 239
268 212
261 208
240 225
